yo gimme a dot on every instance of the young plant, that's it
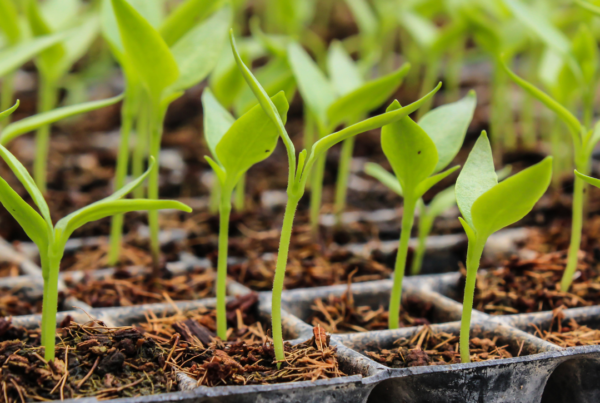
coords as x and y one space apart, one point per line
299 170
584 141
54 62
235 146
488 206
51 239
343 99
163 72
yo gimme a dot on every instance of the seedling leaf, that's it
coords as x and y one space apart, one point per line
592 181
184 17
366 98
15 56
383 176
9 21
250 139
433 180
198 51
9 111
409 149
447 126
146 50
477 177
41 119
510 200
217 120
342 70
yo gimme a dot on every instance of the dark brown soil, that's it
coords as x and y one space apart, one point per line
15 302
430 348
125 288
341 315
533 285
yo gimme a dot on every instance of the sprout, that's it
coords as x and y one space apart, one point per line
51 239
299 172
235 145
488 206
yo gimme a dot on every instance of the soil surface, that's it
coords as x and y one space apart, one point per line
436 348
569 334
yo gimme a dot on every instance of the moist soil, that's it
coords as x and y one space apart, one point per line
340 314
428 347
93 359
569 333
18 301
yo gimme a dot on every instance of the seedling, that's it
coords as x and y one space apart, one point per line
298 174
439 204
488 206
584 141
53 64
343 99
235 146
416 152
51 239
164 68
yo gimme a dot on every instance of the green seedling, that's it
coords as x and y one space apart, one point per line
584 141
235 146
417 154
51 239
299 170
341 100
54 62
488 206
439 204
162 72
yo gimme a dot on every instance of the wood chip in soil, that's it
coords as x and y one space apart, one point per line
340 314
428 347
533 285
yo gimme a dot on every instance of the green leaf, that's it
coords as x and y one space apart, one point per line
275 76
32 223
221 175
422 30
227 82
447 126
585 50
150 10
276 45
366 98
375 122
588 6
122 192
198 51
409 150
554 106
343 72
316 90
147 51
65 227
442 201
78 42
428 183
364 16
217 120
59 14
9 111
592 181
41 119
258 134
9 21
512 199
382 175
27 182
184 17
477 177
14 57
50 58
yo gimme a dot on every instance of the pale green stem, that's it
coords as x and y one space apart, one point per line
316 190
341 187
215 196
429 79
45 268
155 137
116 230
454 71
408 218
576 227
474 253
425 225
46 102
282 256
528 127
224 212
240 194
557 148
7 96
141 146
50 306
309 134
